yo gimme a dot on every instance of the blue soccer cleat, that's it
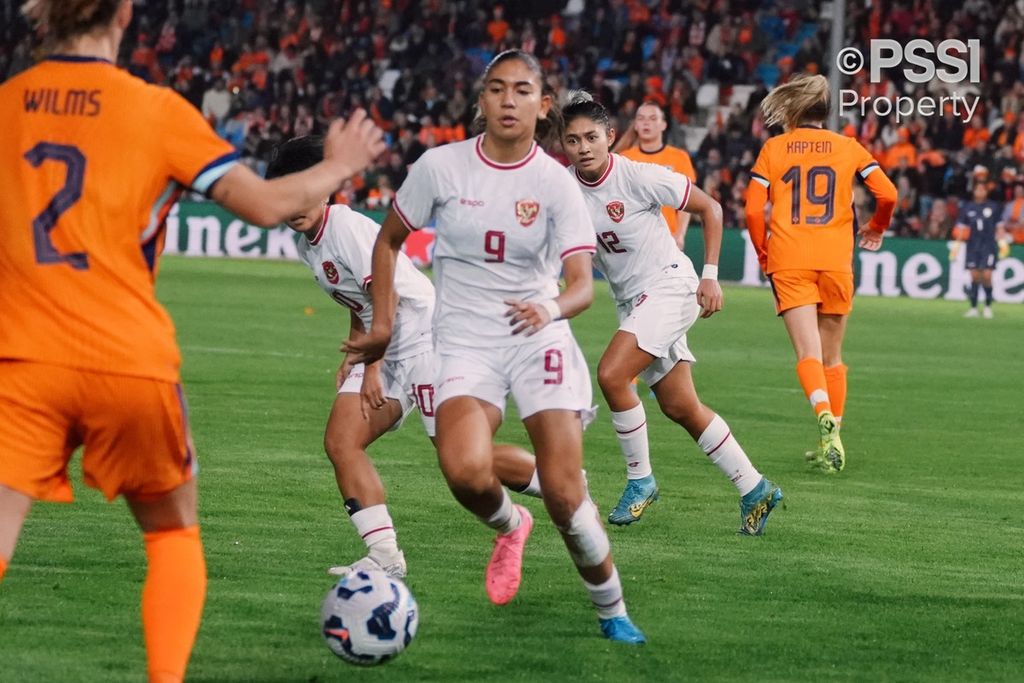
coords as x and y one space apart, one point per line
637 496
622 630
757 505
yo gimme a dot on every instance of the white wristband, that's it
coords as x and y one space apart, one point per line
551 306
710 272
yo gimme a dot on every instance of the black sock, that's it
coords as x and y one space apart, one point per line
974 295
988 295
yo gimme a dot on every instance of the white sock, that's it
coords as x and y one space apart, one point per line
607 596
374 525
507 518
533 488
727 454
631 428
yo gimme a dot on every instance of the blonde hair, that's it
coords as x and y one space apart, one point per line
63 19
804 98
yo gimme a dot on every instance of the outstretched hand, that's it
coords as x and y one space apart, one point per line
356 142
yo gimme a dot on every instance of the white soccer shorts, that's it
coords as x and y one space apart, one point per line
659 318
409 381
546 374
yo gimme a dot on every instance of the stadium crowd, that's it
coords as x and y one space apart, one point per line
265 71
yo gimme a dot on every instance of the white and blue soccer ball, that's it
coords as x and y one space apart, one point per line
368 617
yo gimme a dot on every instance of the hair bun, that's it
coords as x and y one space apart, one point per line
579 97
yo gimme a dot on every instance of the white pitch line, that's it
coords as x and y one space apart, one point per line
248 352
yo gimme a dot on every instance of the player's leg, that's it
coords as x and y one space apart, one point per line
175 587
138 444
346 439
557 438
622 361
832 330
802 325
36 418
972 295
677 397
986 284
465 429
516 468
14 507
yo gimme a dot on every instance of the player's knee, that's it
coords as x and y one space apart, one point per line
610 380
681 410
467 481
584 536
340 447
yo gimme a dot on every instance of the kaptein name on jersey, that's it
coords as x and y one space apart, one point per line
809 147
62 102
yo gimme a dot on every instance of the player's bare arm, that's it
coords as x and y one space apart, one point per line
350 146
532 317
371 347
709 292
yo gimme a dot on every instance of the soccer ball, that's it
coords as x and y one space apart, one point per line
368 617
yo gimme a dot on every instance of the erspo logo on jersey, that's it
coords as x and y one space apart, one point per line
526 211
616 210
331 271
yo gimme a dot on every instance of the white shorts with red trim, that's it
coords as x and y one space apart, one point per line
409 381
659 318
546 374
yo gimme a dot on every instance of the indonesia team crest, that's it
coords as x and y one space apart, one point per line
526 211
331 272
616 210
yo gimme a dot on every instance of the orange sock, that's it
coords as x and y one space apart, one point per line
3 568
812 378
172 600
835 379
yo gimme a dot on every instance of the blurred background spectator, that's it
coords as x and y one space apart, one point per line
264 71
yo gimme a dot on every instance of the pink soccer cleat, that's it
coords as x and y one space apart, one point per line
505 570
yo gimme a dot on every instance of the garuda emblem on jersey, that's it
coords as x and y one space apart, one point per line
526 211
331 271
616 210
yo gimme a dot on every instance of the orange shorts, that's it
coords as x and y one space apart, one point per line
831 291
135 432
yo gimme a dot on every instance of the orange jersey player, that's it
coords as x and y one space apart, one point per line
92 161
649 133
807 174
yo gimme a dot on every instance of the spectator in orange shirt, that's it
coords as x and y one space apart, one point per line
645 141
976 134
903 149
498 27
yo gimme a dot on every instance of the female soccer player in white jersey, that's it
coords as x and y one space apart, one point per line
375 398
507 217
659 297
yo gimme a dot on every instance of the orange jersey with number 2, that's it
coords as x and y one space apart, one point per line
93 159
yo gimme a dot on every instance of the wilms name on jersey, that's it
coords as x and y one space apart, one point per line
62 102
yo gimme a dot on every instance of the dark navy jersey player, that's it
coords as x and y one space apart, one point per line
984 220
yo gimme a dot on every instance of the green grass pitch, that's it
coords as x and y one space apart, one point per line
905 567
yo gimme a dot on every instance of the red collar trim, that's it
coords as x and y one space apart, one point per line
604 176
323 224
504 167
